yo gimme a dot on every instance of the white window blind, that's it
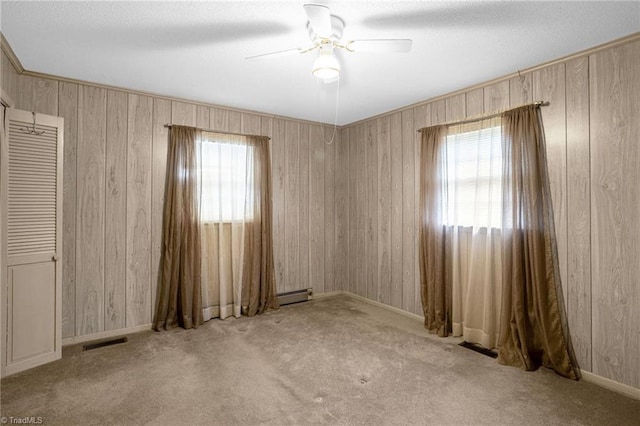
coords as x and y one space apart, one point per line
473 181
224 179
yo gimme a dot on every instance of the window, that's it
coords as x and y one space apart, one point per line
223 162
473 181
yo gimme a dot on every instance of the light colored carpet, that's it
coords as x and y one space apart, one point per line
334 360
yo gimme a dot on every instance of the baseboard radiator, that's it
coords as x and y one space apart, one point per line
295 296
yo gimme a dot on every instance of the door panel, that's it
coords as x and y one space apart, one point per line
32 319
31 218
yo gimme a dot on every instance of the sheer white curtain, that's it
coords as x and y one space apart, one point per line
226 210
473 214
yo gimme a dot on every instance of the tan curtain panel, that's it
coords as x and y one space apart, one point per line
511 250
179 297
534 331
259 282
434 277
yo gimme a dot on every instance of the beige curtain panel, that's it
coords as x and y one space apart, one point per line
492 275
238 266
217 256
534 328
434 274
179 297
259 286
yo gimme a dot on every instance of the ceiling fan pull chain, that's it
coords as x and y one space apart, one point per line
335 119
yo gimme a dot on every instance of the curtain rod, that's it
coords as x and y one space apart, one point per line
220 132
482 117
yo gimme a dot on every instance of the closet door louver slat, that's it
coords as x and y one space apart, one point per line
31 205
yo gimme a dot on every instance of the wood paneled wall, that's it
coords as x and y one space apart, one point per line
114 175
345 214
592 128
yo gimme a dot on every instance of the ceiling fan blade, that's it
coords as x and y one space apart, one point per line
277 54
319 19
380 45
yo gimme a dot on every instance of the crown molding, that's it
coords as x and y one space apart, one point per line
11 55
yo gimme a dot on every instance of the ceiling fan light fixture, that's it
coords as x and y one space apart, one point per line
326 66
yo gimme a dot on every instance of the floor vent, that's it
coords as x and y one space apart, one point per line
296 296
103 343
479 349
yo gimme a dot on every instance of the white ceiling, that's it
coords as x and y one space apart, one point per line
196 50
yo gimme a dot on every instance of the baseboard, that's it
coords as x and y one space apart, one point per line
612 385
104 334
384 306
327 294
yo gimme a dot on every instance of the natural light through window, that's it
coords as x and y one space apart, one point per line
473 165
224 181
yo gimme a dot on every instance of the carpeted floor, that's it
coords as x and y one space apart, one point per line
334 360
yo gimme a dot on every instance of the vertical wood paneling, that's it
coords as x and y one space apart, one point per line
520 90
9 78
397 295
438 112
278 200
361 217
37 94
496 97
251 124
219 119
371 179
138 291
353 210
235 121
183 114
384 210
316 208
68 109
615 200
90 219
115 211
422 118
455 107
291 218
578 293
409 255
329 209
202 117
343 165
549 85
160 144
303 202
266 127
474 102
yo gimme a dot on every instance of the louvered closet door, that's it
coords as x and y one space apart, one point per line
32 220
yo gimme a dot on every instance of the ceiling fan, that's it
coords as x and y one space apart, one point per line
325 31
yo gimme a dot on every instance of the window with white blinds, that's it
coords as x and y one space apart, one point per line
32 181
225 178
473 175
